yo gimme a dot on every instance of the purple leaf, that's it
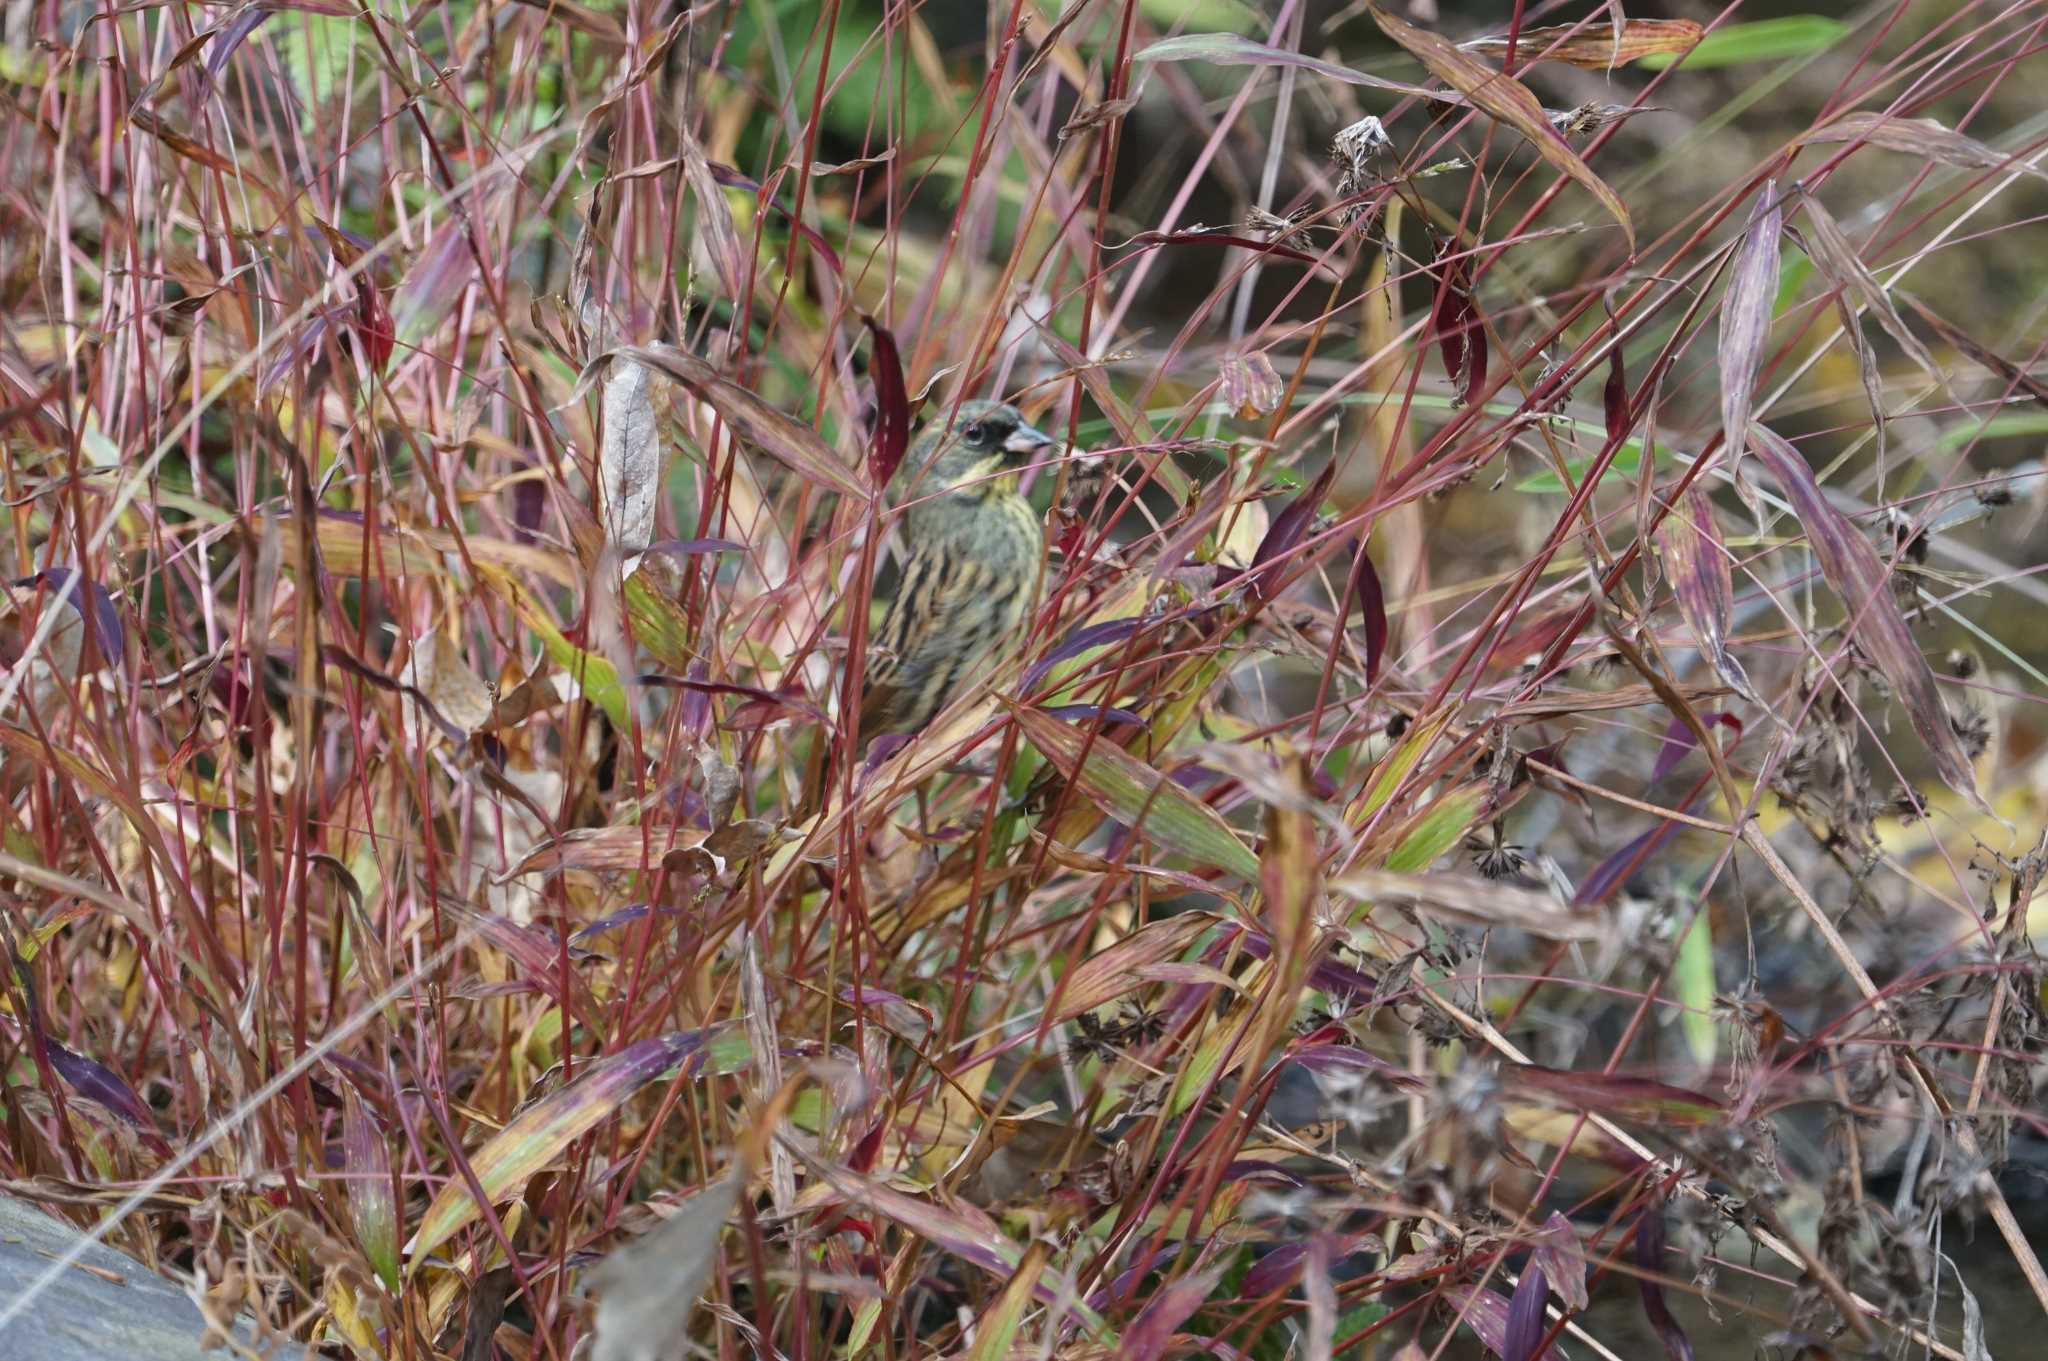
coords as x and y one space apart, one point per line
1524 1332
892 405
1563 1260
1857 575
1457 329
1679 739
97 1082
1370 600
1614 397
1650 1257
529 501
1075 713
1611 873
1077 642
623 917
94 604
1275 1271
231 36
1697 562
1286 532
1485 1312
1148 1334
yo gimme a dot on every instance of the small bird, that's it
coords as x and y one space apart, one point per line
973 551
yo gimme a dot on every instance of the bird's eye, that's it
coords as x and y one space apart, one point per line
977 433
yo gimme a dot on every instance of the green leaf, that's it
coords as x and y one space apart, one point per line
596 677
1795 35
539 1133
1437 831
1628 461
1140 797
1692 980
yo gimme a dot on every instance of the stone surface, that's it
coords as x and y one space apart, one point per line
117 1311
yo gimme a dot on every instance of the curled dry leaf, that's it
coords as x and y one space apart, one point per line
1469 898
1249 385
1590 46
1508 100
1923 137
715 229
629 455
1096 115
1563 1259
780 436
1229 49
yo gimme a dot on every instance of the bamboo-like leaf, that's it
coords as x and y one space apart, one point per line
1837 258
1697 563
597 678
1857 575
540 1133
1120 970
1922 137
1782 39
1139 796
366 1163
1436 830
1692 984
1508 100
1745 324
995 1329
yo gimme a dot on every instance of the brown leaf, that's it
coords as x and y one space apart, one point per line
1095 115
1508 100
1990 359
1923 137
1857 575
1838 260
714 220
850 167
1590 46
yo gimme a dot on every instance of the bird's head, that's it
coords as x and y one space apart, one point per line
970 451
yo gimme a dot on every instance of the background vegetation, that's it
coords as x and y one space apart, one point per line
1516 827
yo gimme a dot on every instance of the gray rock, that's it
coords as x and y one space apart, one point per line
127 1314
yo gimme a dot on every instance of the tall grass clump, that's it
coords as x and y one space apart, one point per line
1515 826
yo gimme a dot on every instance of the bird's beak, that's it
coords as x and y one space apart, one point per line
1025 440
